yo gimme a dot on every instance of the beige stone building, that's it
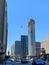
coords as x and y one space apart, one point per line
45 44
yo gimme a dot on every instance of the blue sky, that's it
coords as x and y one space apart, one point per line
20 11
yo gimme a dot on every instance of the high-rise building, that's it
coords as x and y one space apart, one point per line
16 49
45 45
3 27
31 38
38 48
20 48
13 49
24 45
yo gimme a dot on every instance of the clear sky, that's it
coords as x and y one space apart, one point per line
19 11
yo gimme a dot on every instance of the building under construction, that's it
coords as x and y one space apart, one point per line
31 38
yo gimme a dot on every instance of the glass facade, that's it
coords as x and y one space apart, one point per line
31 38
24 46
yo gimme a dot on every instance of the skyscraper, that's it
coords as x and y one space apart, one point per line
3 27
20 48
31 38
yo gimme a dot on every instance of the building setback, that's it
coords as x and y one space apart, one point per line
31 38
3 27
